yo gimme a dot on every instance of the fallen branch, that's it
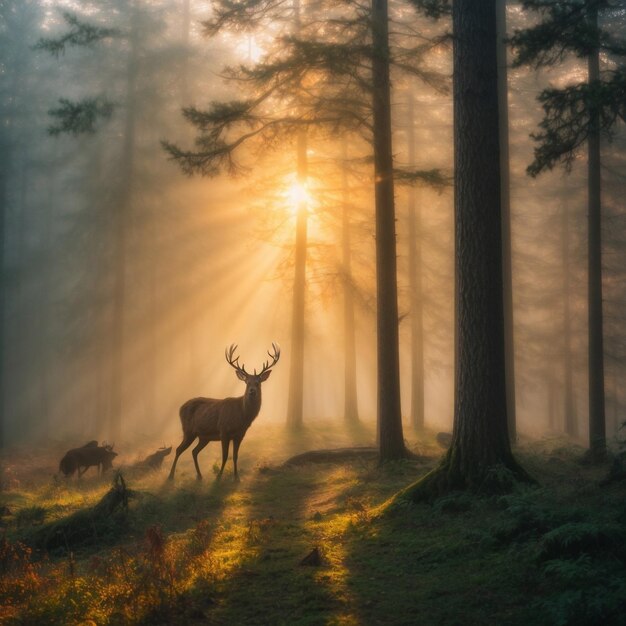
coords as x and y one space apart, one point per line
337 455
105 520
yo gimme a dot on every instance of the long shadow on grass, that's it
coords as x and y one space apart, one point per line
430 565
179 506
269 585
291 511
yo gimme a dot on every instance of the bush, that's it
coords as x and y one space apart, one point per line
574 539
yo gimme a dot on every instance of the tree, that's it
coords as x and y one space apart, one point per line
480 439
574 115
351 406
391 441
415 285
438 9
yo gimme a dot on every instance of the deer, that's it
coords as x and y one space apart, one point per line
225 420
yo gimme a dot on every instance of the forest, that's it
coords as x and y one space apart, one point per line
312 312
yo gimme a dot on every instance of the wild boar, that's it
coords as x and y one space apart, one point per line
89 455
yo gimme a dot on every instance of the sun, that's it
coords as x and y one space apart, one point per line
297 194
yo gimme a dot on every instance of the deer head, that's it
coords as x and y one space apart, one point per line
253 381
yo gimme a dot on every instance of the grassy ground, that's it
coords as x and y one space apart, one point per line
230 553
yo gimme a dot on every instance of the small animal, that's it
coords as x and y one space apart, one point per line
225 420
155 460
90 455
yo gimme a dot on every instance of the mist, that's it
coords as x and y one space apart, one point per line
125 278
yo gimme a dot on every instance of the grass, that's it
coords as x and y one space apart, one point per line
229 553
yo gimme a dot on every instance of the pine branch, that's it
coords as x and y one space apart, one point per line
433 8
245 15
434 178
566 123
81 34
78 118
564 30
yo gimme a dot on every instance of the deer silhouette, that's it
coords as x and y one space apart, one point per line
225 420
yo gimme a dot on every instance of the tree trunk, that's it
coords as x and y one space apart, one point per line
415 285
44 311
391 440
296 374
552 401
351 409
122 219
597 428
569 409
4 161
480 439
505 191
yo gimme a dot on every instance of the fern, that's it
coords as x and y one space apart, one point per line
574 539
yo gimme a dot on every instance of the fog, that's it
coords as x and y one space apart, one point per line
124 279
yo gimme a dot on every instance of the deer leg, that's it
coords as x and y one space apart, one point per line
225 446
186 442
236 444
201 444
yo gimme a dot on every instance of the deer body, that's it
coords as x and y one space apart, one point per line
224 420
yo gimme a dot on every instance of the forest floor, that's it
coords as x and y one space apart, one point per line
226 552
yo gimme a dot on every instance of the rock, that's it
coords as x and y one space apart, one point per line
313 559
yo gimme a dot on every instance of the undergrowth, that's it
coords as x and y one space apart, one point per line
304 546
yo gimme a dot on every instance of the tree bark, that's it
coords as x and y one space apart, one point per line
597 427
505 192
391 440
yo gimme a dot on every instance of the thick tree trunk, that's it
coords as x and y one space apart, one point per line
505 191
480 439
391 440
296 373
597 427
415 284
351 409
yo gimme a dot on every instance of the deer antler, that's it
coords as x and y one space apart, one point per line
274 356
229 353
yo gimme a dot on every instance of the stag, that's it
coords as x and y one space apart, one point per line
225 420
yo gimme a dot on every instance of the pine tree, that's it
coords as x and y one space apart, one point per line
575 116
480 456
